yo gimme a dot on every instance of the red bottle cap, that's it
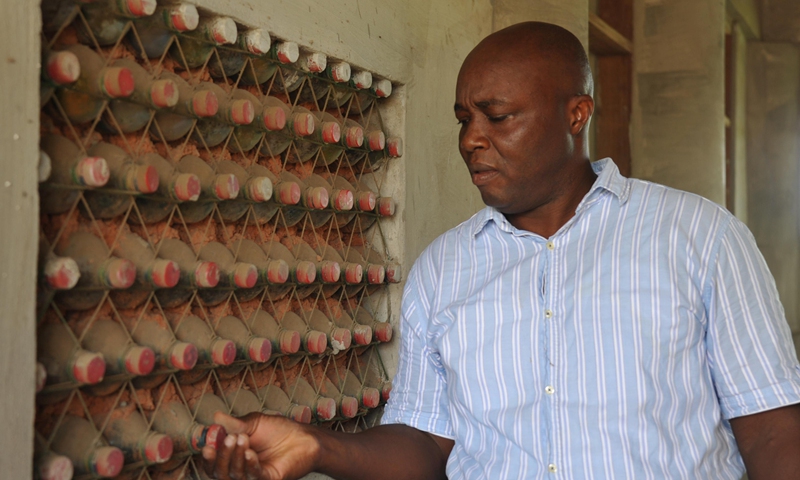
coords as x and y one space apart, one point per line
226 186
288 193
395 147
141 8
341 338
316 342
331 271
305 272
214 436
41 377
120 273
393 273
366 201
362 79
287 52
385 206
117 82
316 62
245 275
354 137
158 448
289 341
184 17
343 200
259 349
223 31
259 189
353 273
164 93
55 467
223 352
375 274
187 187
140 360
326 408
242 112
349 407
370 397
382 87
92 172
165 273
376 140
278 271
183 356
107 461
257 41
303 124
146 179
63 67
362 334
340 72
300 414
88 367
317 197
386 391
206 275
274 118
62 273
383 332
205 104
331 132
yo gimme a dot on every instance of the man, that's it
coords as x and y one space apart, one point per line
583 325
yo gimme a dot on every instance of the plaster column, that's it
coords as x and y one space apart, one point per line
678 124
570 14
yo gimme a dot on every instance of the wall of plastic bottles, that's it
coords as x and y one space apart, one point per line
211 205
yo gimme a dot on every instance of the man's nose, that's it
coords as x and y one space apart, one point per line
473 136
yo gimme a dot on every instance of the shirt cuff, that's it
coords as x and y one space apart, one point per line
425 422
771 397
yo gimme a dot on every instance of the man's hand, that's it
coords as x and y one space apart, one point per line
770 442
261 447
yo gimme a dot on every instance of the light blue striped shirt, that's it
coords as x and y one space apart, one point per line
617 348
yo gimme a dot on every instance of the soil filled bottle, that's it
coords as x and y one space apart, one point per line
96 83
311 198
270 116
173 187
338 338
206 406
234 274
299 123
249 346
382 330
170 352
271 271
194 102
133 113
384 207
80 441
152 273
362 334
58 69
380 88
375 271
232 112
60 273
359 80
195 274
391 272
254 189
244 401
352 273
341 200
363 201
210 348
328 271
197 46
312 341
265 66
156 31
346 406
350 385
121 354
214 187
289 79
376 159
371 374
108 19
253 42
128 431
283 193
276 400
175 420
326 131
70 167
301 272
64 360
99 270
302 393
51 466
284 340
318 87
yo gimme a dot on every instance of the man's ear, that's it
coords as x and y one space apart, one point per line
581 108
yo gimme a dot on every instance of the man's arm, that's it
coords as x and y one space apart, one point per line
272 448
770 442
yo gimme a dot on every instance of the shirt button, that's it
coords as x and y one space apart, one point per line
548 313
550 245
549 390
552 468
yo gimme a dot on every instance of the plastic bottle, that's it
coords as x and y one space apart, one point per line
170 352
232 112
382 330
283 193
284 340
51 466
155 32
107 19
346 406
265 66
364 99
129 432
60 273
312 341
197 46
328 271
269 116
359 80
270 271
175 420
152 273
301 272
289 79
214 187
206 406
311 198
253 42
254 189
249 346
375 271
368 371
58 69
338 338
121 354
341 200
353 273
194 102
97 82
99 270
350 385
276 400
326 131
363 201
210 347
318 88
133 113
195 274
173 187
376 159
233 273
302 393
69 167
361 334
384 207
64 359
78 440
299 123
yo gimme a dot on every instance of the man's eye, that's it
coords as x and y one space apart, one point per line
462 121
497 118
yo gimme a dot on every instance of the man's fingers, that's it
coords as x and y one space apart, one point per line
252 467
237 459
222 466
209 460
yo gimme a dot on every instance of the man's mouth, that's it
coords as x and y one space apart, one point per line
482 175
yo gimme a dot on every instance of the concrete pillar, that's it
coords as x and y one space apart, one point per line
570 14
678 127
773 174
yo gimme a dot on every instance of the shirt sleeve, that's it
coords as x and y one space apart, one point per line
750 351
419 389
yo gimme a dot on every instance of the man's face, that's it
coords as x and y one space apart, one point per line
514 133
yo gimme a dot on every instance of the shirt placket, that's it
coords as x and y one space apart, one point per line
550 316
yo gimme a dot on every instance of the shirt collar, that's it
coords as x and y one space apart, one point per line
608 179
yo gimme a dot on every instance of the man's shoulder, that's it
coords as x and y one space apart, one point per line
456 237
646 192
